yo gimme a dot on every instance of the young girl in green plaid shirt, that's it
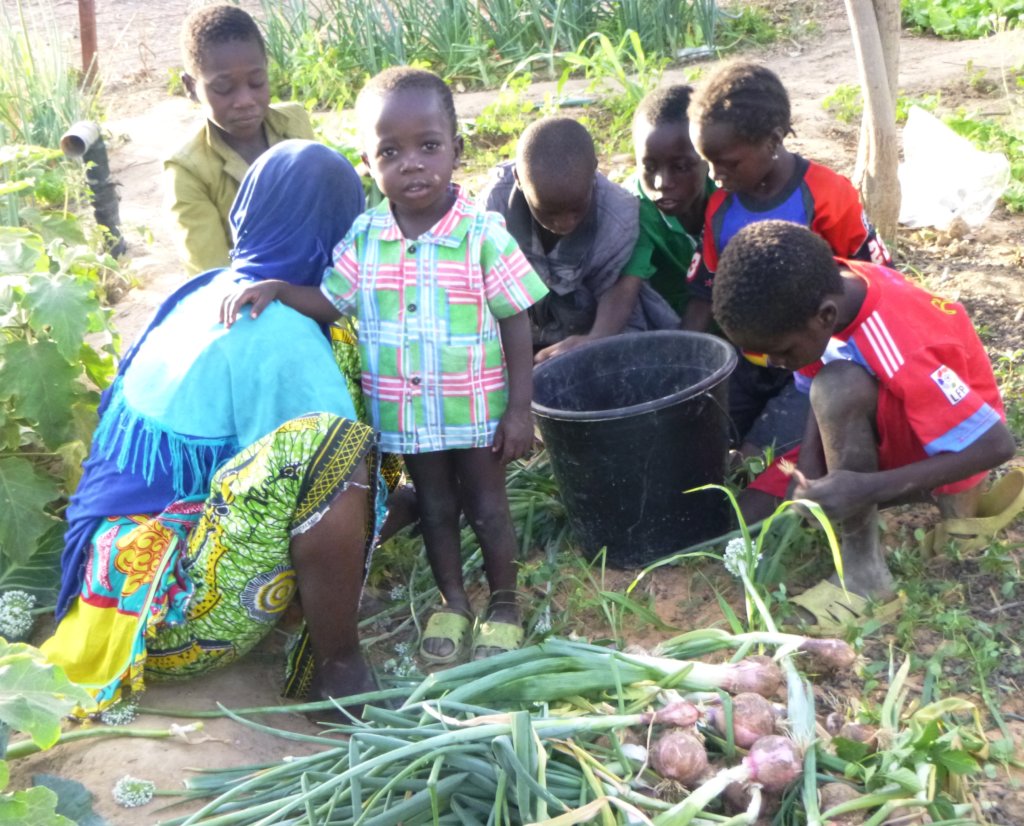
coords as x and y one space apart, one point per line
440 290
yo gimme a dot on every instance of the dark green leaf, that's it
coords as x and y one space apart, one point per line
929 734
906 778
60 306
43 385
956 761
74 801
24 492
39 575
850 750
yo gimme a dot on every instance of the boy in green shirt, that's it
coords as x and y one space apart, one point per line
672 185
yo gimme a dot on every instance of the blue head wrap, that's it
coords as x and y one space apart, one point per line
296 202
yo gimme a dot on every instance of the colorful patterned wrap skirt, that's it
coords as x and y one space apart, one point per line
175 594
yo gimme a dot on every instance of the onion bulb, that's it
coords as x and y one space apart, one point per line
679 755
752 718
757 673
774 762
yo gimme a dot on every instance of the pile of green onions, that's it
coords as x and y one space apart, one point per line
524 737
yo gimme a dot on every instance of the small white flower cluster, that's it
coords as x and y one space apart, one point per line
16 614
120 714
543 623
735 558
131 792
397 593
402 664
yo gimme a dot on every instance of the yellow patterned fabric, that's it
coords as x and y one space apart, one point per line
178 593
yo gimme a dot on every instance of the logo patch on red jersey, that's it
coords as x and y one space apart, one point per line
950 384
694 266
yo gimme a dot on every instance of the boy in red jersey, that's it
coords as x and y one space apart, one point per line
903 401
740 116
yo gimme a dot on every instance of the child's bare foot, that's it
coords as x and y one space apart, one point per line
340 678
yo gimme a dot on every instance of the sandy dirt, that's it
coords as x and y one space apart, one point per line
138 48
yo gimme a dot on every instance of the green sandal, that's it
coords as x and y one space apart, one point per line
835 610
452 626
496 637
997 508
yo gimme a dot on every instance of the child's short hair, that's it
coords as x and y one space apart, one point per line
213 25
666 104
555 149
772 278
747 96
403 78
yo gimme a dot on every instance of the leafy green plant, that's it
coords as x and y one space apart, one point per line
323 52
1009 370
56 348
844 102
40 93
506 116
34 697
621 74
959 20
747 25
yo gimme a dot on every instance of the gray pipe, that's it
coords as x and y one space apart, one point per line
84 140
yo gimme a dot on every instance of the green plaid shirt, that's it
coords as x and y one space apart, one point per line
434 374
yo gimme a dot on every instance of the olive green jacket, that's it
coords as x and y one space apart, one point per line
202 178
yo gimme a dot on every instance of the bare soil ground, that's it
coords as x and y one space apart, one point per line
138 48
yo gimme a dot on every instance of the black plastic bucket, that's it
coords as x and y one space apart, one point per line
631 422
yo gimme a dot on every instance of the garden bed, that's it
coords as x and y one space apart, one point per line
968 624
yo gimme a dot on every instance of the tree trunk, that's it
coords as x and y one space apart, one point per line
875 28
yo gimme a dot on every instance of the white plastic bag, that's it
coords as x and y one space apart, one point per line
943 176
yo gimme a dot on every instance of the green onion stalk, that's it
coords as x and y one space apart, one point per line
27 747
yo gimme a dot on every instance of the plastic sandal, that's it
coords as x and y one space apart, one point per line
835 610
453 626
495 637
997 508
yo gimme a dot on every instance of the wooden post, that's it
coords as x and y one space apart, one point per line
874 25
87 26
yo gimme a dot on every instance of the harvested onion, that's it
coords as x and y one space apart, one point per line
679 755
756 673
830 655
774 762
679 713
833 794
752 718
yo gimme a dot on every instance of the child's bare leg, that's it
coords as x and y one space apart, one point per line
437 492
482 488
844 400
328 561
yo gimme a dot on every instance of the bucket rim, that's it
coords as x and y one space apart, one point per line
715 378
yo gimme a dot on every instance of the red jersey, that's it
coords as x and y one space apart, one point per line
815 197
926 356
